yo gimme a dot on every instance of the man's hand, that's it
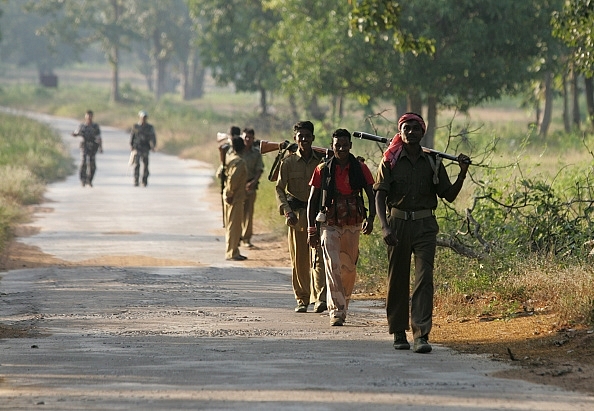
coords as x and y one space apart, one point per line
313 240
367 227
389 236
229 199
291 218
464 162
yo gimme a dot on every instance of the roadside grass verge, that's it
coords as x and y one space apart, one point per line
31 155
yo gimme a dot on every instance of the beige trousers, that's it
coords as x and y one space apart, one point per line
340 246
308 277
233 222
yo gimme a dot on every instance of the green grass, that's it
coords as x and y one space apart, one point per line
31 155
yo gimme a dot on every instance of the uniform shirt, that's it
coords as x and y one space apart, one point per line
341 176
253 162
143 137
293 178
410 186
236 173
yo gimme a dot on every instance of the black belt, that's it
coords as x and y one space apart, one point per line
411 215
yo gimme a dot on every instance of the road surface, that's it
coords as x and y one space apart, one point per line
148 315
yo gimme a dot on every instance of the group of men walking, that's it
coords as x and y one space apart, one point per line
328 199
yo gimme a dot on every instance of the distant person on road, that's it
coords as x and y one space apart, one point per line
142 141
292 192
336 204
408 184
255 166
89 146
234 196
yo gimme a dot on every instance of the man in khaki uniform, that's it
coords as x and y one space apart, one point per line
234 196
292 193
255 166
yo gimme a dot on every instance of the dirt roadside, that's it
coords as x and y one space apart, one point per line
543 351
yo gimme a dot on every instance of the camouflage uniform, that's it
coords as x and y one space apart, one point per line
293 184
142 140
91 135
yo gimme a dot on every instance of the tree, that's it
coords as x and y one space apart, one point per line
381 20
165 27
83 22
233 39
315 56
23 46
483 49
573 25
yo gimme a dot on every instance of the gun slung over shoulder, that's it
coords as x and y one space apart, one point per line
366 136
268 146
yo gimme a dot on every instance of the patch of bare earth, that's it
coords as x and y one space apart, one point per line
541 349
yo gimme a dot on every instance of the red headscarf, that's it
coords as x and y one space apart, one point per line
393 151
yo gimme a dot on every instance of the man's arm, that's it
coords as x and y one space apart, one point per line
313 238
281 196
451 193
368 223
388 234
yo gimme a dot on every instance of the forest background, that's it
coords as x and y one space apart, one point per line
508 83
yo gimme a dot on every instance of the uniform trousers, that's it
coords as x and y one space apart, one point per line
87 166
418 237
233 221
308 272
248 216
340 246
144 156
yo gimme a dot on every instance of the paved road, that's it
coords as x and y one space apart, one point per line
199 332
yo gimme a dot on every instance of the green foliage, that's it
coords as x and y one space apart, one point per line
31 154
377 19
34 147
573 24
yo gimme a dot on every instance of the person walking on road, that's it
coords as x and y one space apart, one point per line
234 197
142 141
255 166
89 146
336 202
292 192
408 184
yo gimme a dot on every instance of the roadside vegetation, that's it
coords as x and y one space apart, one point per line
31 155
514 243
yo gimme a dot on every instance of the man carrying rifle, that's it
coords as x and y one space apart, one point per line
292 193
408 183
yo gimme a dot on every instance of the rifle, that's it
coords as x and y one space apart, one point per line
283 148
379 139
223 157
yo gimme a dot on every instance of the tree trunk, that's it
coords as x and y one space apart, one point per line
431 122
548 108
315 110
293 105
414 102
575 94
115 74
566 122
589 83
263 102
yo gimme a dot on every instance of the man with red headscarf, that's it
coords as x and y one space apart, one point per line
408 184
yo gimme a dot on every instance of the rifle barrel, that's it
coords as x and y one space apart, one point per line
379 139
